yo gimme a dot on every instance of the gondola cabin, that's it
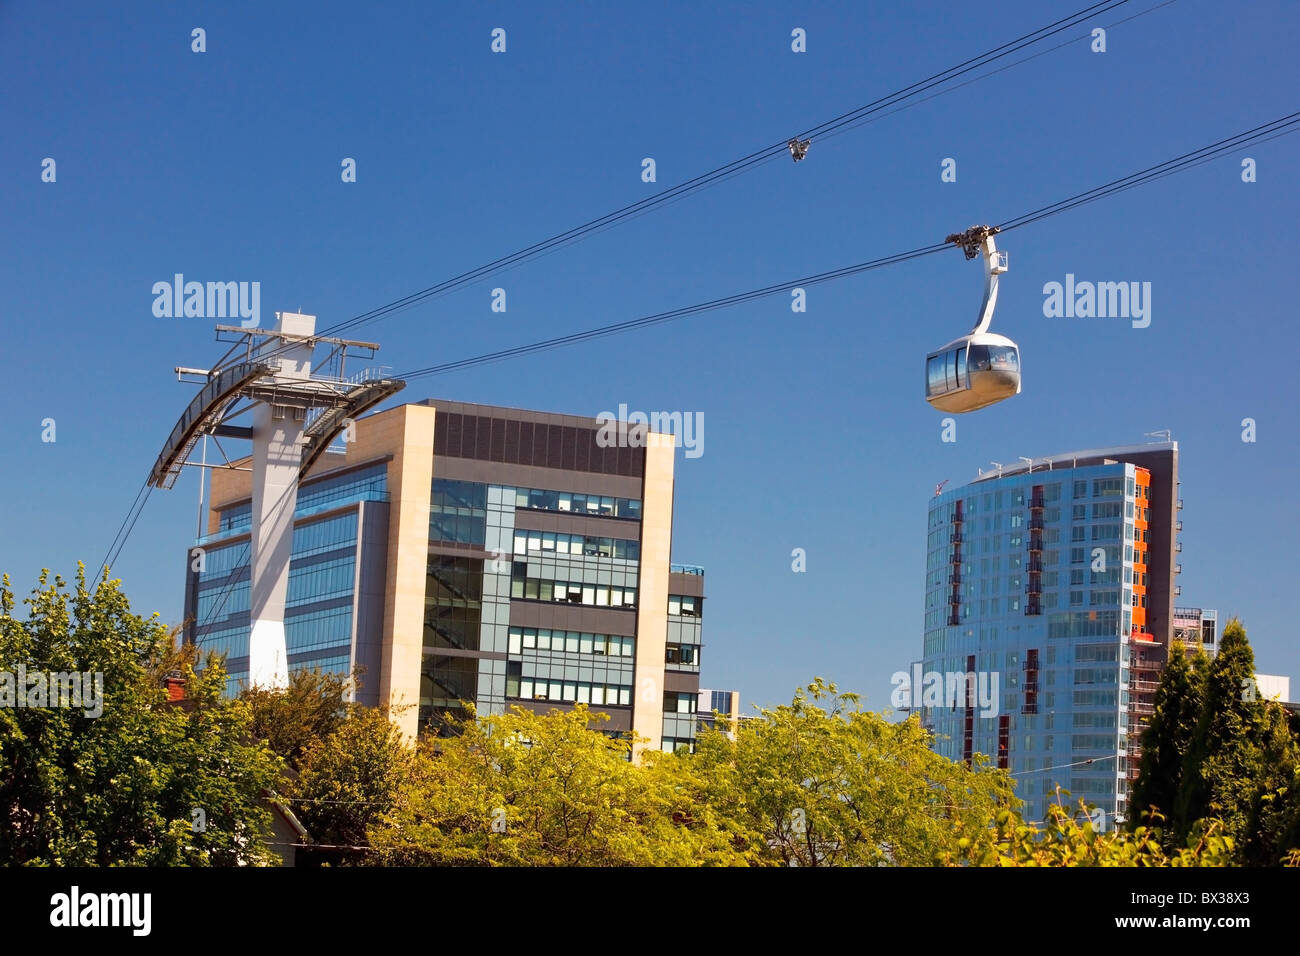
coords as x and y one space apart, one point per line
972 372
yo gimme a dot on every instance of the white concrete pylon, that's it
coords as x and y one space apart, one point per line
277 457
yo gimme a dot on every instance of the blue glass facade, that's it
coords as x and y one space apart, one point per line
321 603
1029 585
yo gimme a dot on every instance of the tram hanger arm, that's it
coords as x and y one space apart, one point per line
973 241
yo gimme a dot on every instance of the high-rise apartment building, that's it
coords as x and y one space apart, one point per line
1048 613
472 553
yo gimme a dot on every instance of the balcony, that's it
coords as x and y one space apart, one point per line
956 517
955 537
1037 502
1178 546
1142 709
1142 686
1035 566
1178 526
954 578
1180 503
1036 523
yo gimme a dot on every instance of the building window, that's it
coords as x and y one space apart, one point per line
453 597
527 639
684 605
458 512
680 703
550 542
569 592
1107 487
681 654
603 505
568 692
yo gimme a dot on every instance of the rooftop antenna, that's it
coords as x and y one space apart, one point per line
295 416
1030 460
999 464
1163 434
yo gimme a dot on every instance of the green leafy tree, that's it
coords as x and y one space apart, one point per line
293 718
351 777
1179 701
549 790
1070 839
121 787
821 782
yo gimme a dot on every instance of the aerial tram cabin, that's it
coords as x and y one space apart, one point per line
981 368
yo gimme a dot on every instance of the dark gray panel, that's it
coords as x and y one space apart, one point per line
368 623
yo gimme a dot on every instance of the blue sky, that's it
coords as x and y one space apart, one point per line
226 166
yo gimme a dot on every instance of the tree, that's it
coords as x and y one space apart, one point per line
548 790
1224 761
85 786
1178 704
350 778
1273 826
1062 840
821 782
293 718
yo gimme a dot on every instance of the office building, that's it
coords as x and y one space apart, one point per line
1051 584
1273 687
464 552
719 707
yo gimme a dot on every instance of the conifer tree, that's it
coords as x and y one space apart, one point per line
1224 762
1178 704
